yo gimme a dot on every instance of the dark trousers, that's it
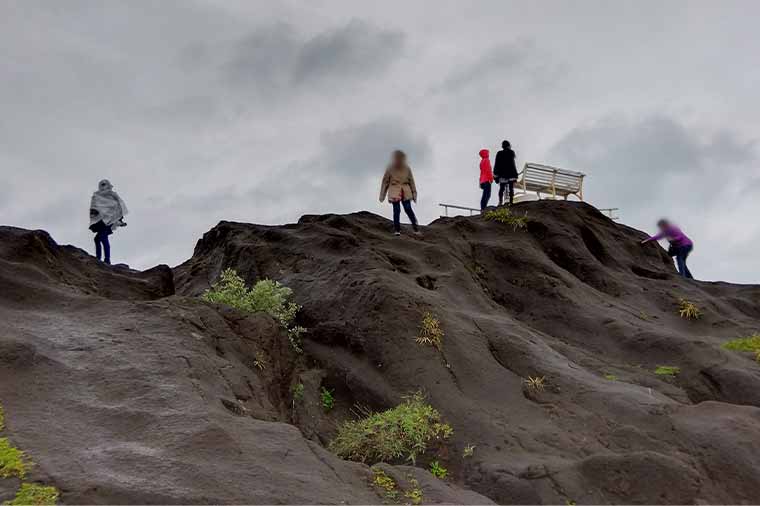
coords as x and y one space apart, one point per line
681 253
102 246
397 214
502 190
486 187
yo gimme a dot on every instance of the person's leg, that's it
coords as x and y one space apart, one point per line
502 188
680 261
410 213
98 251
396 216
511 192
486 195
106 249
686 253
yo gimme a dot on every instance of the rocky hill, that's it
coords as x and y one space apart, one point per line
125 387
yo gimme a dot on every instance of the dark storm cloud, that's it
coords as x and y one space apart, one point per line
276 58
357 151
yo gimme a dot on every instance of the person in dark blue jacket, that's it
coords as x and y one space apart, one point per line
505 172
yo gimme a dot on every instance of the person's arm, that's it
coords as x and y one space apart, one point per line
412 186
654 238
385 184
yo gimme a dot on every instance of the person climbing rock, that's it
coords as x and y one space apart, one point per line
680 245
486 178
107 212
398 185
505 171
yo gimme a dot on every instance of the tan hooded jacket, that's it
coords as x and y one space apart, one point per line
398 184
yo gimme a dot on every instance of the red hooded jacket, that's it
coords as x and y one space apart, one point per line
486 173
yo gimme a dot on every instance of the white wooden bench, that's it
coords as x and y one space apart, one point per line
551 181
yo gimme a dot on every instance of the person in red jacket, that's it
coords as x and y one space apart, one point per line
486 178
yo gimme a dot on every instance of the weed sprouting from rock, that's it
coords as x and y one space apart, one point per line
670 371
537 384
469 451
506 216
689 310
385 483
266 295
32 493
750 343
431 333
2 418
327 399
610 377
298 392
403 432
437 470
414 494
13 462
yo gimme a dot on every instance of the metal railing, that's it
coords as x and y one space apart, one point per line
610 212
452 206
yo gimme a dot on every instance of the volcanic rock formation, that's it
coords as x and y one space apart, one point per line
123 386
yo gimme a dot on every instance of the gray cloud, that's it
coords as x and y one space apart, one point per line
276 58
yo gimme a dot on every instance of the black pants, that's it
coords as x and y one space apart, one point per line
103 246
486 187
681 253
397 214
502 190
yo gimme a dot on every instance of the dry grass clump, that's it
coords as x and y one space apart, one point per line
431 333
688 310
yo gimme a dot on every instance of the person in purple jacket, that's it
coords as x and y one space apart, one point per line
680 245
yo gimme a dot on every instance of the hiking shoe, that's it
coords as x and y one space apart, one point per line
396 233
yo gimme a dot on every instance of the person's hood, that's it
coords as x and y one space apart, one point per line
105 185
484 153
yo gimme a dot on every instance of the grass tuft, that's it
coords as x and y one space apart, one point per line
266 295
751 343
2 418
468 451
13 462
688 310
667 370
401 432
506 216
437 470
537 384
414 494
34 494
610 377
431 333
386 485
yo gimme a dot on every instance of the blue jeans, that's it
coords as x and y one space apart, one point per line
486 187
101 240
681 253
397 214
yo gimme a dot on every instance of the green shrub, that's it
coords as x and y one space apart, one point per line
266 295
328 401
667 370
431 333
401 432
469 451
298 392
32 493
506 216
437 470
414 494
751 343
12 460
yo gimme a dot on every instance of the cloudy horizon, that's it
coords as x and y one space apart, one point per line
201 111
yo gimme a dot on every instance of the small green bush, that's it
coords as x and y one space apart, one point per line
469 451
506 216
437 470
667 370
266 295
34 494
12 460
386 484
414 494
751 343
401 432
327 398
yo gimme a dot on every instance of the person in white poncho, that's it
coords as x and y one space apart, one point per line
107 212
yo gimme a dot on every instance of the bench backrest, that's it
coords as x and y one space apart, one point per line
546 176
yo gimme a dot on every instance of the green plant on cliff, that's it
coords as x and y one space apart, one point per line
750 343
32 493
688 310
13 462
506 216
327 399
437 470
431 333
266 295
670 371
401 432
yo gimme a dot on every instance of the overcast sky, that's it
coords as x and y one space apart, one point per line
254 111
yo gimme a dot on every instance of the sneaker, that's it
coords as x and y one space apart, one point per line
418 232
397 233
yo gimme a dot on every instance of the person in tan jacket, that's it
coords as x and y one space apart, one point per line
398 184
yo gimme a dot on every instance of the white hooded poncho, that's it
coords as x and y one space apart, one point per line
106 205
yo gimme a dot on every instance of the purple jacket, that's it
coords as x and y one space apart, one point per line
674 236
